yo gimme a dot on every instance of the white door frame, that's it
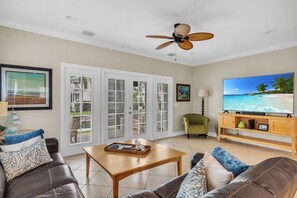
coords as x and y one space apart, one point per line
66 147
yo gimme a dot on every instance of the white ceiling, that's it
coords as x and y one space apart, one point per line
239 26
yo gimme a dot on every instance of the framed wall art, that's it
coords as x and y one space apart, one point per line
183 92
26 88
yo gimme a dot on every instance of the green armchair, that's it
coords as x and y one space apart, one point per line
196 124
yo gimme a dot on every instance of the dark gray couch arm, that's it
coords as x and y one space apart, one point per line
143 194
170 189
167 190
196 158
52 145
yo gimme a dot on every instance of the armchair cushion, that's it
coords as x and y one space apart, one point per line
196 127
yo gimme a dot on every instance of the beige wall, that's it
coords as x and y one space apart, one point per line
30 49
211 76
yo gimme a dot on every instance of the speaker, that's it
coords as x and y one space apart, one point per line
251 124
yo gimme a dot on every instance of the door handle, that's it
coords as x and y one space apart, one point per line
130 112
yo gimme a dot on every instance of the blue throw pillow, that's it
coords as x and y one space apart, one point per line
229 162
14 139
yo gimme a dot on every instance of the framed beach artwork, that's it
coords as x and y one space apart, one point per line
26 88
183 92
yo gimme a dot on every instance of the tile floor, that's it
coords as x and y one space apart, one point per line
99 183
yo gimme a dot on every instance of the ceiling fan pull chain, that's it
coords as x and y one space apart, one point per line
175 51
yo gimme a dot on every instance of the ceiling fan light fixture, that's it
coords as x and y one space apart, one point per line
181 30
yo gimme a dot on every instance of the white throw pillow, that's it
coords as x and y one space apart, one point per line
21 145
194 185
216 174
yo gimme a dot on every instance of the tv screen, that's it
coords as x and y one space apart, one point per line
265 94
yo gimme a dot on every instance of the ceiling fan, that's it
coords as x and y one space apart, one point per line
182 37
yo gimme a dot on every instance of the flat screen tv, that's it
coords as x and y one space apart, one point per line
260 94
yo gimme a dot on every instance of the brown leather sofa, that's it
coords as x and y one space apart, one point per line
54 179
272 178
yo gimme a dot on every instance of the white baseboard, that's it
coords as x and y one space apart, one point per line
212 134
177 133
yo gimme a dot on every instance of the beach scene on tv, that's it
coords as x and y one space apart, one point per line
269 94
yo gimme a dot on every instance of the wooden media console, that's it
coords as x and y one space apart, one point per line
277 125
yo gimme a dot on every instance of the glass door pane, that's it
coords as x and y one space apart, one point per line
116 108
80 109
139 112
162 107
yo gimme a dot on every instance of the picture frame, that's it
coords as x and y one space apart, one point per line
26 88
263 127
183 92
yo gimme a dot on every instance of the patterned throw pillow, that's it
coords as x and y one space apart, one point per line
194 185
19 162
229 162
14 139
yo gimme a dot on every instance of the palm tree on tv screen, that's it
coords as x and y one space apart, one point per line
290 84
280 84
261 88
283 85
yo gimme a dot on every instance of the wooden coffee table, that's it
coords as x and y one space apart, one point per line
121 165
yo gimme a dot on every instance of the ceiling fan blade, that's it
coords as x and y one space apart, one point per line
181 30
186 45
159 36
164 45
200 36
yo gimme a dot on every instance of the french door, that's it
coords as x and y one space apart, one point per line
162 110
127 105
80 108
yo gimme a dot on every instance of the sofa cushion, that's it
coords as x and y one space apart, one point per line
19 162
216 174
2 181
66 191
194 185
239 190
21 145
30 185
228 161
14 139
278 176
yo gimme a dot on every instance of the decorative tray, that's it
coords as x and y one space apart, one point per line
127 148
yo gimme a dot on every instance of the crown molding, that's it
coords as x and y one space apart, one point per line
249 53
